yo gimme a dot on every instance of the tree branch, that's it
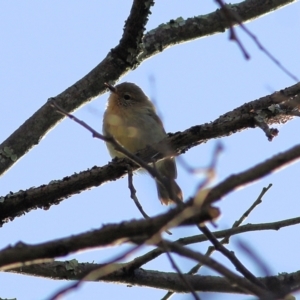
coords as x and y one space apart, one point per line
118 61
147 257
179 31
273 108
247 286
59 270
124 57
135 231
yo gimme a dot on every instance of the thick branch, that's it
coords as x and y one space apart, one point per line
179 31
121 60
254 173
72 270
273 108
168 281
136 231
147 257
109 235
234 279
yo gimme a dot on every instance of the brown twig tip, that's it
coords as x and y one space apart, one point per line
59 109
110 87
52 102
270 132
232 17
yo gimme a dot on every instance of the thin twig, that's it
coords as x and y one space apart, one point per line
145 258
259 262
236 224
232 35
248 286
225 240
270 132
196 170
137 262
251 208
135 198
231 256
133 194
176 268
231 14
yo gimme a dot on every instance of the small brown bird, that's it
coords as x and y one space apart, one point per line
130 117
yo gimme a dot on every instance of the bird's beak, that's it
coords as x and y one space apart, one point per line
110 87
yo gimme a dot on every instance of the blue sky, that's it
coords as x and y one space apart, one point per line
48 46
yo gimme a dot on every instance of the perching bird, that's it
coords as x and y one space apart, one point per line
130 117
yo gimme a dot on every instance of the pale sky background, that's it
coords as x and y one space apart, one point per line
46 46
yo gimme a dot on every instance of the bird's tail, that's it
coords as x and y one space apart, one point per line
167 197
171 192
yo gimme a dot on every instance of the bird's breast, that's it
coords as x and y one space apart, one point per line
132 129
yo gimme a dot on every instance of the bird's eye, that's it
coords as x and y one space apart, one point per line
126 97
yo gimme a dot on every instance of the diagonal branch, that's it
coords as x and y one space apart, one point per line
183 30
90 86
145 258
176 268
247 287
253 174
273 108
68 270
231 256
225 240
136 231
232 16
123 58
